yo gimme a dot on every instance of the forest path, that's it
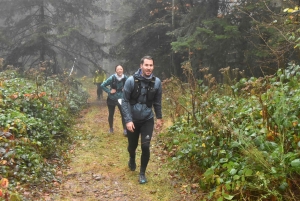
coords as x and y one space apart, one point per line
98 168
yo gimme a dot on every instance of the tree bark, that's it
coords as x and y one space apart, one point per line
106 62
43 32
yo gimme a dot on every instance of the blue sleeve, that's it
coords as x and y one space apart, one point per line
126 107
157 99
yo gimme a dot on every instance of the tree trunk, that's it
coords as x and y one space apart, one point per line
276 3
43 32
106 62
213 7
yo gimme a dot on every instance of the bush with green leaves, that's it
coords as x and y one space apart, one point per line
35 120
245 144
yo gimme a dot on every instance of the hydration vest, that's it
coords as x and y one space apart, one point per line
115 81
135 94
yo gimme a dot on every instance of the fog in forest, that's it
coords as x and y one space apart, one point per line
251 38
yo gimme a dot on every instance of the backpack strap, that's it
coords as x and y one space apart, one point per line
150 92
113 84
135 94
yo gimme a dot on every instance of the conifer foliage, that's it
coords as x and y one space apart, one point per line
39 30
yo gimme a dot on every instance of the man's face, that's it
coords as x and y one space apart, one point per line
147 67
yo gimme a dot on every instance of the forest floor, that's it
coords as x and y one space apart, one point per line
98 167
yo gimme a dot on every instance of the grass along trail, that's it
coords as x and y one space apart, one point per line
98 168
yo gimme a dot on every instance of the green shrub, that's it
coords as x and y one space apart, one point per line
245 145
35 120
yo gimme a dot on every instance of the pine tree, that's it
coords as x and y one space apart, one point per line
56 30
145 34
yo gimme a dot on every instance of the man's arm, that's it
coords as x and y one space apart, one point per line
94 78
128 87
157 100
104 76
157 106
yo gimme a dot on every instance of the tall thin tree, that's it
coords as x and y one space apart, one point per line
39 30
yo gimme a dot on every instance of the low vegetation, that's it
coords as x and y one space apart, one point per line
235 141
241 139
35 118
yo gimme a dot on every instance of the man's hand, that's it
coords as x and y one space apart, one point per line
159 124
112 91
130 126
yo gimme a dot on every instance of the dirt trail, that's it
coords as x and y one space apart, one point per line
98 169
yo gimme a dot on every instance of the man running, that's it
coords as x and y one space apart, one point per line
141 91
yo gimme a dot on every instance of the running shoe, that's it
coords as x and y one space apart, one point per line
132 165
142 179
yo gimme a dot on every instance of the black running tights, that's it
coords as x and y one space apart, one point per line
111 113
145 129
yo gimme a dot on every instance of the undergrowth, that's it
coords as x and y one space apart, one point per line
242 140
35 119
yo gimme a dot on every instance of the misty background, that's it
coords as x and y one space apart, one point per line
252 38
